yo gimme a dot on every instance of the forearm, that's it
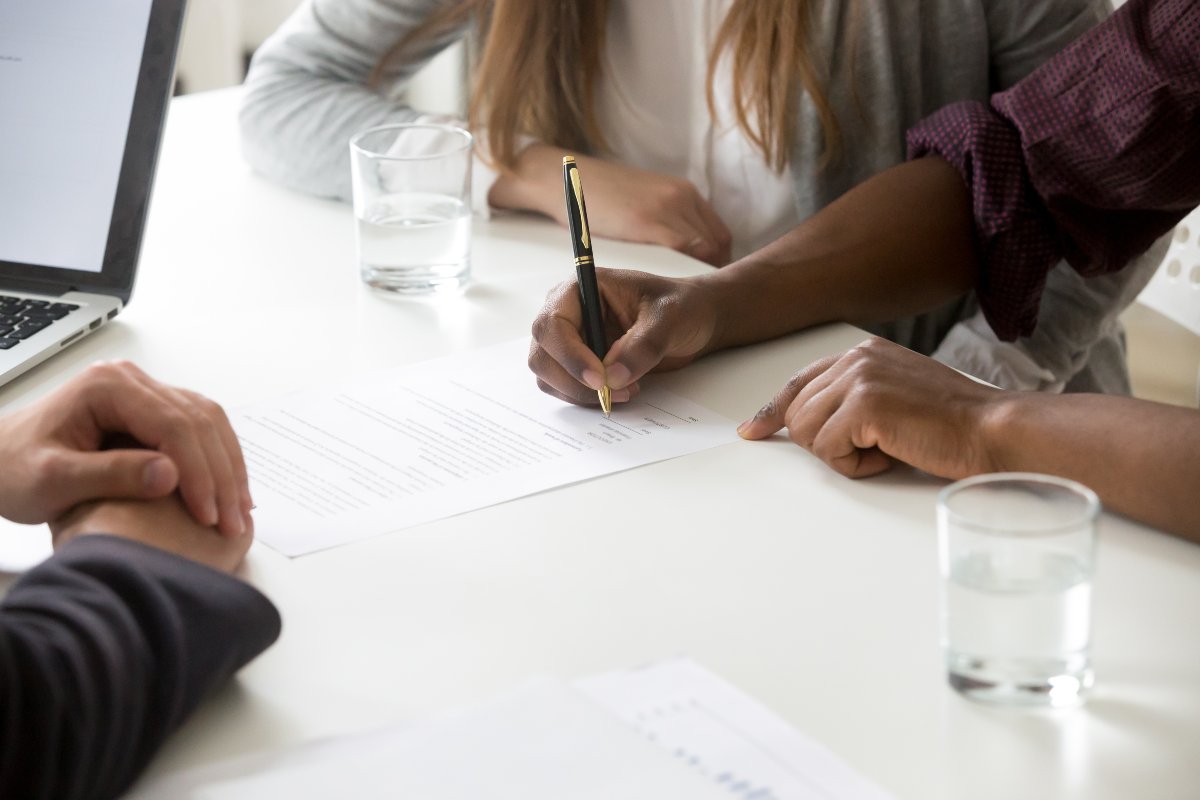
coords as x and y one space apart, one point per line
1141 458
897 244
104 650
533 182
308 89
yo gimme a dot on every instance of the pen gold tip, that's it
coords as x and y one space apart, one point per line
568 160
605 400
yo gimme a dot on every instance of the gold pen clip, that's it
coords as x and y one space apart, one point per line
583 223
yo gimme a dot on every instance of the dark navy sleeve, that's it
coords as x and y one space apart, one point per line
105 649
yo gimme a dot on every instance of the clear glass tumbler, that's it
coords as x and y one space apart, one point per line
1016 556
412 207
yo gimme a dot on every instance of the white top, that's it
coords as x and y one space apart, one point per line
649 123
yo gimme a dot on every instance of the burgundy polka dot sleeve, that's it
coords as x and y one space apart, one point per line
1091 158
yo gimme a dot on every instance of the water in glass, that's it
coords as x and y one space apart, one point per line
415 242
1016 629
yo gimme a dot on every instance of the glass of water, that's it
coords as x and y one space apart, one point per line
1016 556
412 207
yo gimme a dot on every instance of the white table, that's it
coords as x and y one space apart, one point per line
815 593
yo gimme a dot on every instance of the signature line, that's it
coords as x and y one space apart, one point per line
669 414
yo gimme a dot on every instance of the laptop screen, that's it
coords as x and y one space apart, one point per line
83 92
69 70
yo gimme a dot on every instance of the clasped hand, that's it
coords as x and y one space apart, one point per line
54 453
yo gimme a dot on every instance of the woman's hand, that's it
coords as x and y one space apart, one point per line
623 203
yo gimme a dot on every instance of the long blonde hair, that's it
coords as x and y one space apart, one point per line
539 61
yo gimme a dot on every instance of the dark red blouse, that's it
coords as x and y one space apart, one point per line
1091 158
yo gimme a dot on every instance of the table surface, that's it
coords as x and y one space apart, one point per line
814 593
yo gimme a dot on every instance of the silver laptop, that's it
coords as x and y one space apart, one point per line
84 87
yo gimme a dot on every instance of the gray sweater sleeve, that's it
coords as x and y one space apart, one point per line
307 89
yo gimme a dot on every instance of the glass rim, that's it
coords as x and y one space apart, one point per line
468 140
1089 512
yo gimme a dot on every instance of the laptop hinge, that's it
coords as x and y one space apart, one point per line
35 287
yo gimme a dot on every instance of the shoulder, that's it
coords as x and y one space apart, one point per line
1024 33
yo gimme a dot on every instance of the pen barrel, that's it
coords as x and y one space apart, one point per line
585 266
593 317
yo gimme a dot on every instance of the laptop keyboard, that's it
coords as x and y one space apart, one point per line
21 317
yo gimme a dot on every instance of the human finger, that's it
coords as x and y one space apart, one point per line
617 396
126 400
205 477
718 231
225 462
558 343
233 448
681 235
554 380
643 346
773 414
72 477
206 480
843 444
703 244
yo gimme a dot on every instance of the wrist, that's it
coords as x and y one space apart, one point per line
753 300
529 185
704 304
998 418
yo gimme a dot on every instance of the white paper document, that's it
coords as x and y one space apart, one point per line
410 445
725 735
670 731
543 742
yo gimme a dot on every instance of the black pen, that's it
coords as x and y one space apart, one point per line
585 272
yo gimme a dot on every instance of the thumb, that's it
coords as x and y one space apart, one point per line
112 474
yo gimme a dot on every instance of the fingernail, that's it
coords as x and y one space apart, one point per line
619 376
158 476
745 426
235 518
621 395
248 521
594 380
211 515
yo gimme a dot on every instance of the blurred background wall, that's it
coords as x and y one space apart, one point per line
220 35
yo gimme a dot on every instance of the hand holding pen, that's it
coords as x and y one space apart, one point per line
654 323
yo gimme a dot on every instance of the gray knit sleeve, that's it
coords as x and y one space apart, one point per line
306 92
